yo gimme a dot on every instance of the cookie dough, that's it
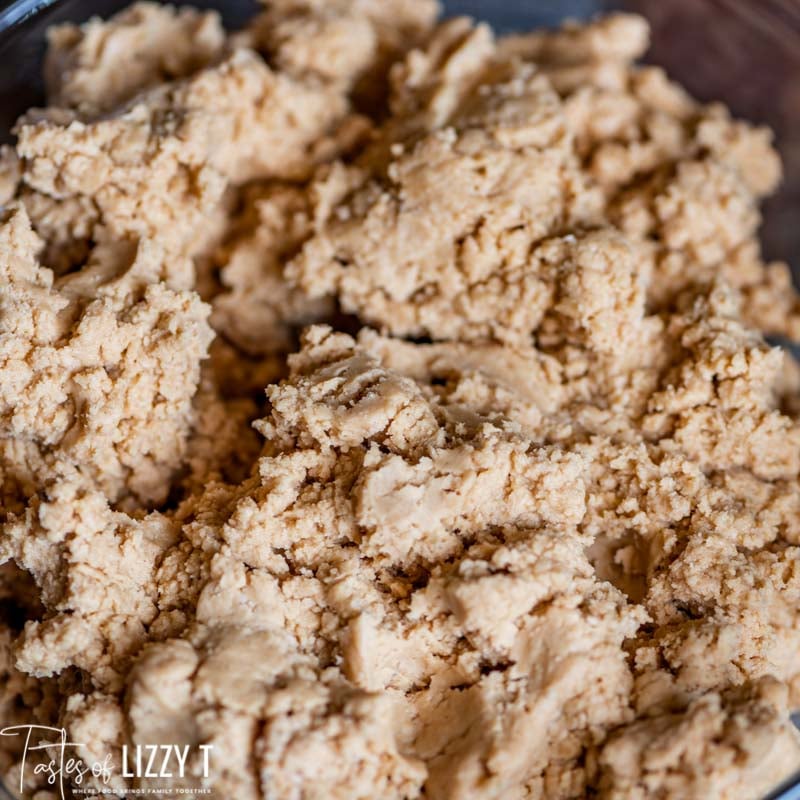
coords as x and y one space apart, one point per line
385 410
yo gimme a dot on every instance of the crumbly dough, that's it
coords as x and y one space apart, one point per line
98 369
256 308
609 142
97 66
347 42
158 166
387 406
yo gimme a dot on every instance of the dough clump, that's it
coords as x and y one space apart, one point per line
386 410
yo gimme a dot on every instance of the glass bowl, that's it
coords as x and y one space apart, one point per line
745 53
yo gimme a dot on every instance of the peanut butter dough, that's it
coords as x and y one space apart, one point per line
385 410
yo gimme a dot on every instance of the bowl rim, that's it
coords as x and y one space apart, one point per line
17 11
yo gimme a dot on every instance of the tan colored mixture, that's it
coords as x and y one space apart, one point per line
518 516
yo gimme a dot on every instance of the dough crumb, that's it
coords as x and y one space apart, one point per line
99 65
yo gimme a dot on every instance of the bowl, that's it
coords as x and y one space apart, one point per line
748 58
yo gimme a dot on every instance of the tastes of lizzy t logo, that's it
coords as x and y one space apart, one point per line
60 767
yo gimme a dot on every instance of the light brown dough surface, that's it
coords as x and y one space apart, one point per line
385 406
96 67
610 142
98 369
